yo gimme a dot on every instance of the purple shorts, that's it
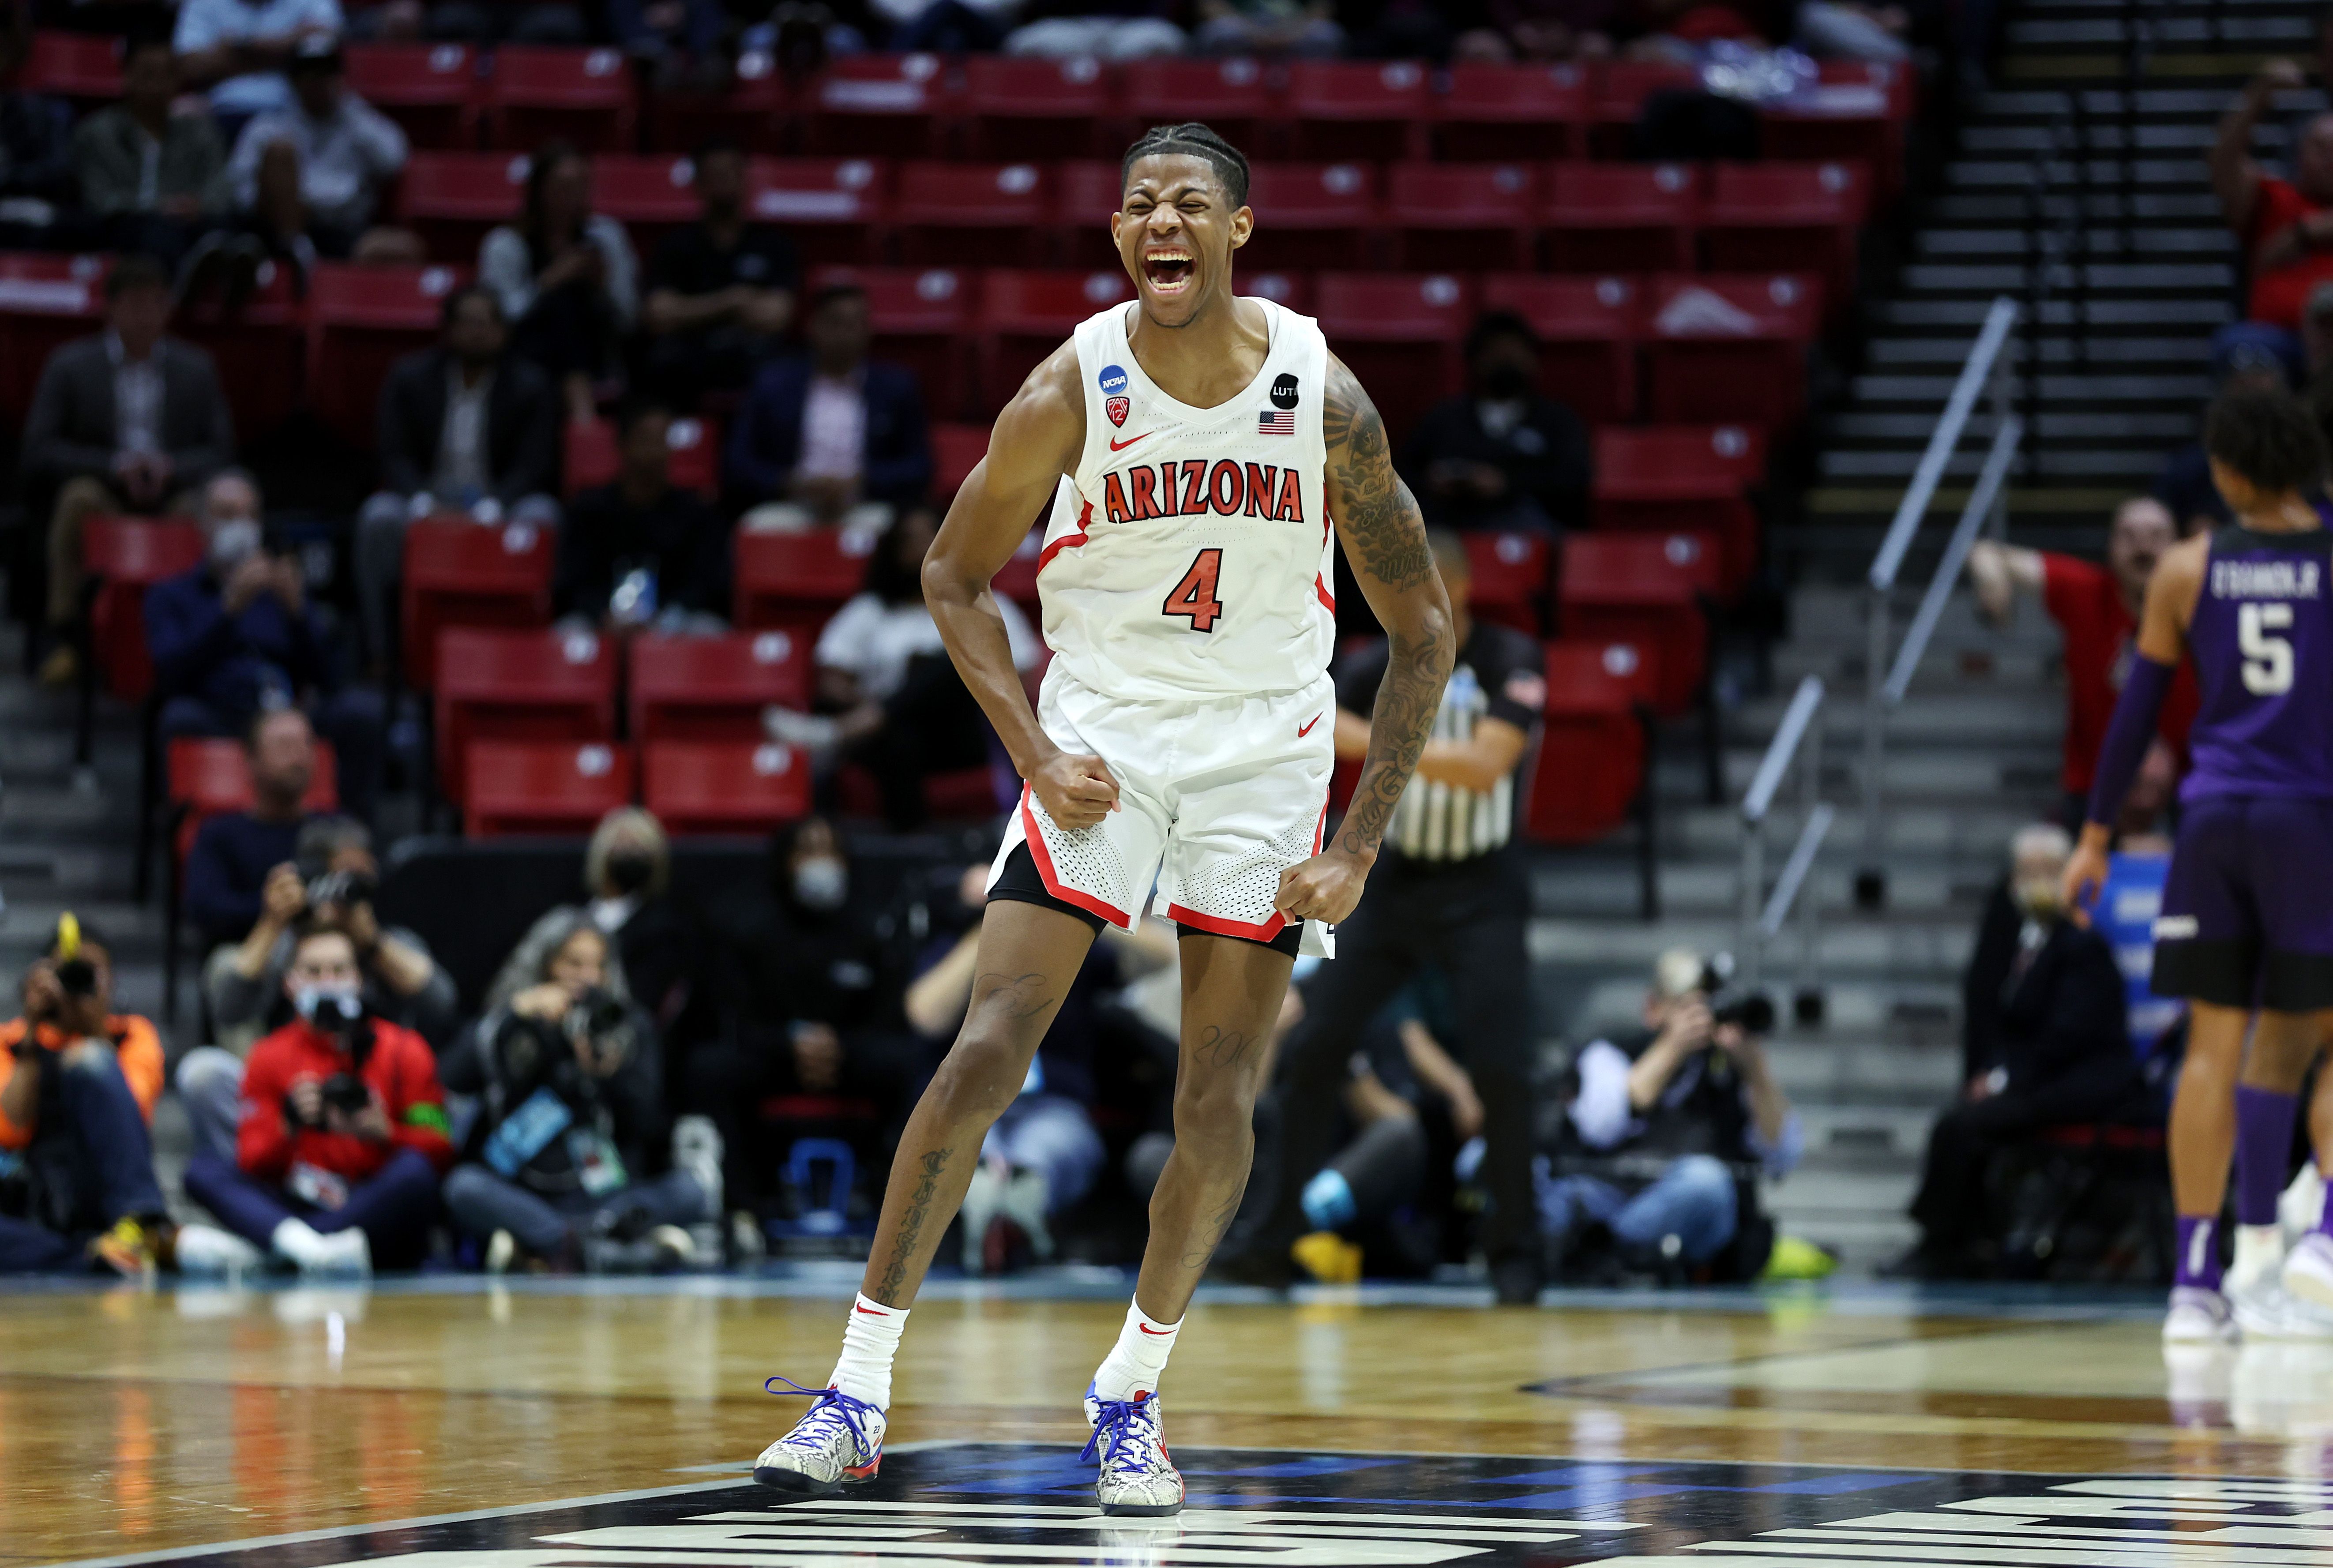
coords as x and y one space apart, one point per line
2247 914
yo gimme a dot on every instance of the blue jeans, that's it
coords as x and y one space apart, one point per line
393 1207
1053 1135
93 1157
483 1202
1694 1200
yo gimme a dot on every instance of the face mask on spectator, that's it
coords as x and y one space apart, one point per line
1505 382
330 1007
631 870
233 542
822 883
2038 897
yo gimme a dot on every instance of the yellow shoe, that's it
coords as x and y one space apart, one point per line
62 668
1795 1258
134 1248
1328 1257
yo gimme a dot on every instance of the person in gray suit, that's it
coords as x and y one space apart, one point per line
130 420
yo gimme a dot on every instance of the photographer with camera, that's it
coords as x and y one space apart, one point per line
78 1083
238 636
570 1088
344 1129
1668 1126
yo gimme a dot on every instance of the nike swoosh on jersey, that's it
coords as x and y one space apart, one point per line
1306 730
1117 445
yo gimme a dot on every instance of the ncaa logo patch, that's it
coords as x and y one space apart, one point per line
1116 408
1113 378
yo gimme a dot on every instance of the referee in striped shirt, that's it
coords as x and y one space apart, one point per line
1447 891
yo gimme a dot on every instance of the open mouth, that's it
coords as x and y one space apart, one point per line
1168 269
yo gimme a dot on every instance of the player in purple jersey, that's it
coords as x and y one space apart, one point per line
2247 919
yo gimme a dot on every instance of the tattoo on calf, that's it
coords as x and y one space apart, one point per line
1211 1230
911 1225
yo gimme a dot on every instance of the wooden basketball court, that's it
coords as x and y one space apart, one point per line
158 1427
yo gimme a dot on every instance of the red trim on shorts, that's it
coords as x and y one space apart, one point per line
1067 540
1320 591
1054 884
1216 926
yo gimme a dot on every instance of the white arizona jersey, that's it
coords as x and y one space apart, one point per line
1189 555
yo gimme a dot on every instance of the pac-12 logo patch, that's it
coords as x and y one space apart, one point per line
1116 408
1113 378
1283 392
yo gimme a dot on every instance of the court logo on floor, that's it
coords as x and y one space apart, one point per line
1016 1506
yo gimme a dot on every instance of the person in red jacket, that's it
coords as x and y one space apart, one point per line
343 1134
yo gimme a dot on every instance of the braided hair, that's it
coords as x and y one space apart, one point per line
1195 140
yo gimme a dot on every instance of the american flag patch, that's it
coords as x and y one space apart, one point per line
1276 422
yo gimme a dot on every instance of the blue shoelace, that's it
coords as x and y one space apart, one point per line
1116 1419
852 1413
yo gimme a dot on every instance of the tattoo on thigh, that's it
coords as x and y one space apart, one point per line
1023 997
1221 1047
911 1224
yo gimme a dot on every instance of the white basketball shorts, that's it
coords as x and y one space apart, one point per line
1216 797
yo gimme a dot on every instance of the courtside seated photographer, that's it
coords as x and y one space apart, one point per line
555 1167
1667 1127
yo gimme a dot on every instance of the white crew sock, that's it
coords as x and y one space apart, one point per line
1133 1364
2259 1253
869 1340
296 1241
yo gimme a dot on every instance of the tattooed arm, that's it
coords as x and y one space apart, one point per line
1384 540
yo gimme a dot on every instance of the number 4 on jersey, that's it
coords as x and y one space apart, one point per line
1194 596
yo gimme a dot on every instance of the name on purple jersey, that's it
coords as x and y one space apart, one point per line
1194 486
2265 579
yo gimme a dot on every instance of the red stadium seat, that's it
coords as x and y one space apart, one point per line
1730 349
1471 216
1651 590
585 96
1022 106
646 194
1617 95
877 105
431 89
1312 214
1399 332
1619 217
793 581
1591 751
1510 572
261 350
1294 289
957 450
751 112
714 688
1231 96
1085 191
1588 329
1352 109
124 557
548 786
82 66
592 458
205 778
1665 477
1795 217
361 319
1857 112
452 198
1495 111
726 786
1024 316
45 301
829 205
957 214
461 573
520 685
922 320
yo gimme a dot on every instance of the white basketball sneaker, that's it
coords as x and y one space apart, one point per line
839 1442
2309 1270
2198 1317
1137 1479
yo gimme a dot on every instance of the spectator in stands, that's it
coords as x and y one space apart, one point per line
129 420
239 49
834 437
566 277
678 42
227 865
944 26
642 551
1113 30
36 170
1540 30
2044 1039
720 291
1304 28
344 1129
152 176
627 877
309 175
238 636
2238 364
555 22
2097 610
572 1111
465 427
892 698
78 1083
1665 1126
2283 224
1500 455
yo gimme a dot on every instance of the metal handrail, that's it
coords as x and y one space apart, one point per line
1798 738
1887 675
1781 748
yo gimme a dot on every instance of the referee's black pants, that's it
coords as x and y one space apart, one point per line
1467 919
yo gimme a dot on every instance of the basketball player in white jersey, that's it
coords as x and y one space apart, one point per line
1196 448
